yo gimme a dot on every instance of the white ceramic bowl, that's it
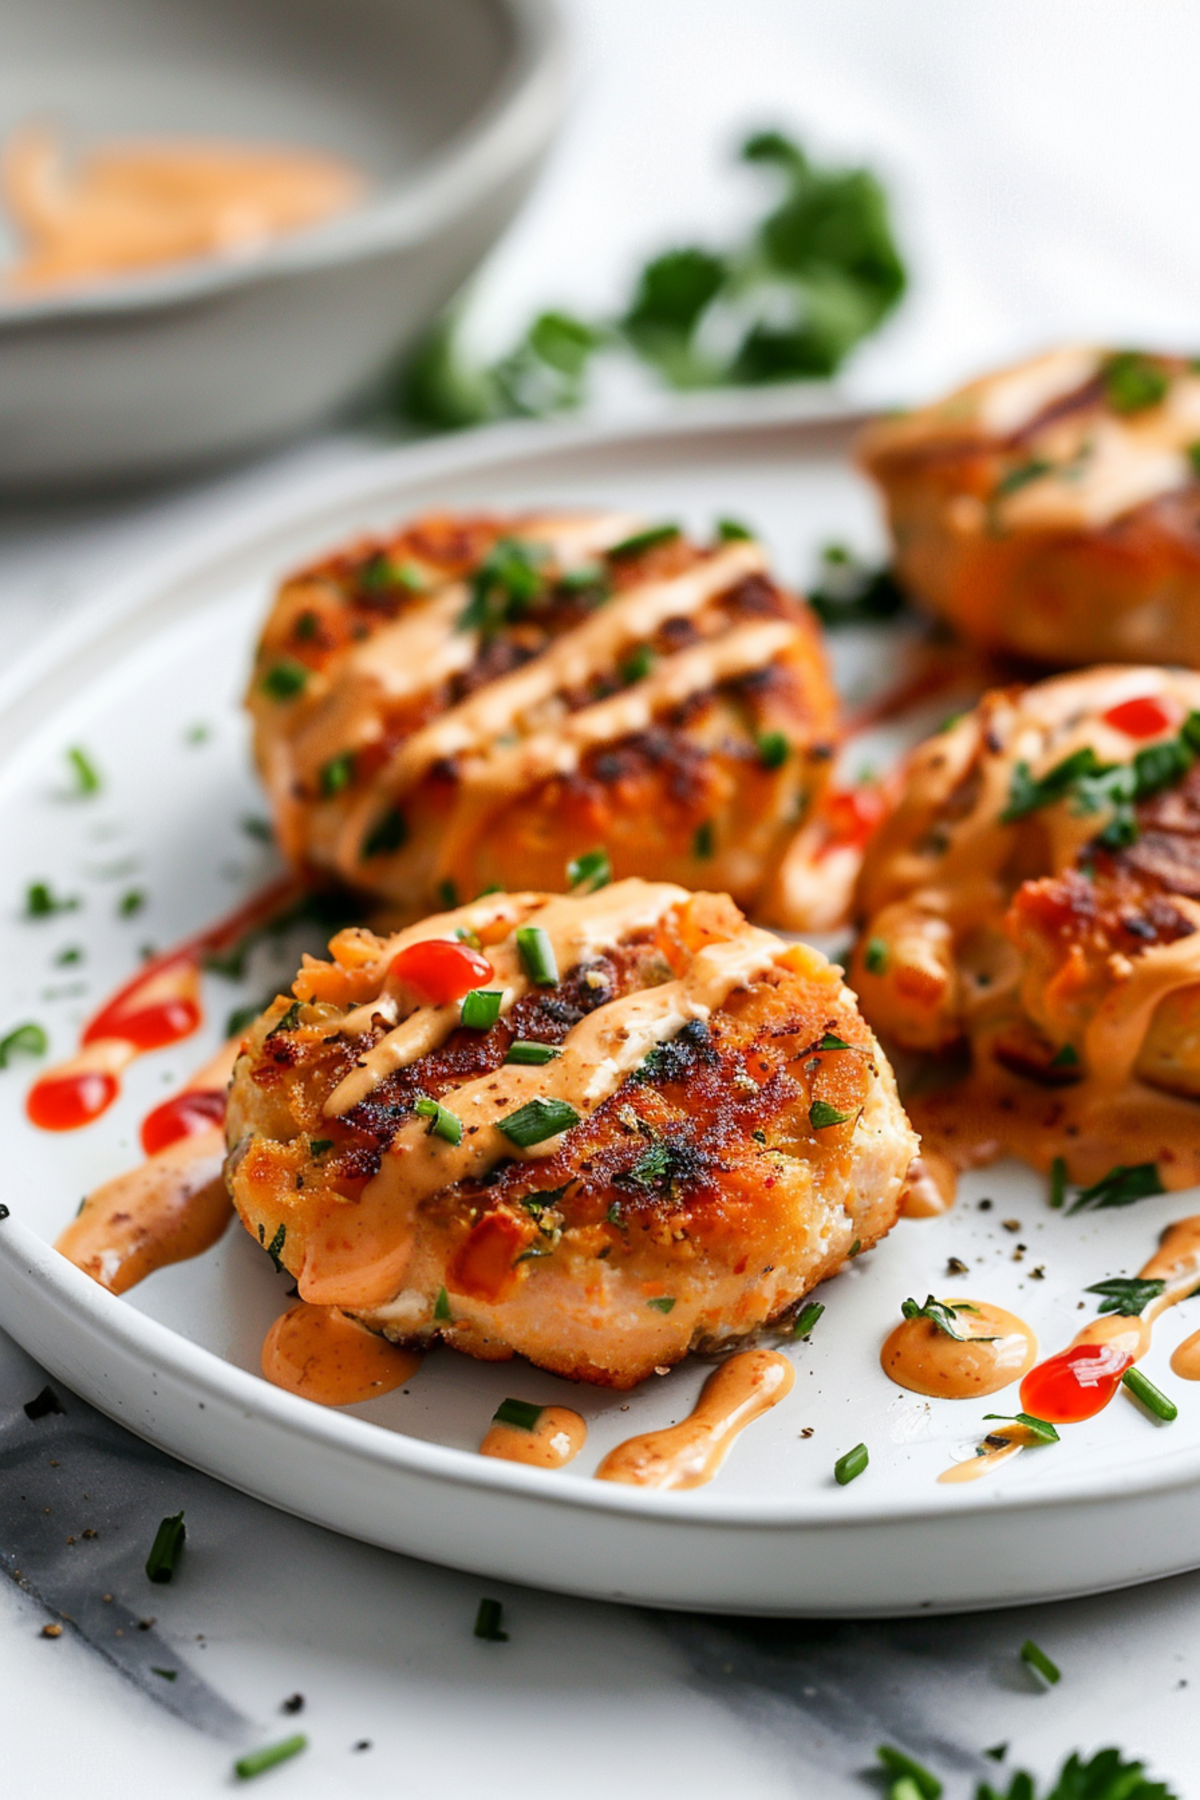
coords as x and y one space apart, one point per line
448 107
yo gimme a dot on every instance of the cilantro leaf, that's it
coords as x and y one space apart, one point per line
1121 1187
943 1315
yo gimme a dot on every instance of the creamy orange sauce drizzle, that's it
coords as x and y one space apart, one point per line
168 1209
921 1357
554 1441
324 1355
932 1186
131 206
991 1454
356 1256
1185 1362
689 1454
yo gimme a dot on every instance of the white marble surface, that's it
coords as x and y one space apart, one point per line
1044 158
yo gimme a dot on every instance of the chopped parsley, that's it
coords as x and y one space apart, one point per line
1133 382
641 541
732 531
284 680
704 841
289 1021
319 1146
1152 1398
807 1318
257 1762
832 1042
1121 1187
589 872
664 1304
441 1306
1093 786
166 1548
388 834
336 774
521 1413
481 1008
504 586
130 903
487 1622
902 1769
849 1467
637 664
876 956
442 1122
538 1120
821 1115
1129 1296
41 902
654 1163
1037 1659
1105 1776
1041 1429
850 592
23 1040
87 778
942 1315
773 748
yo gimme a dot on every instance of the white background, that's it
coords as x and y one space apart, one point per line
1044 156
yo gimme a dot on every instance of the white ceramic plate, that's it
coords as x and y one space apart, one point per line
1118 1501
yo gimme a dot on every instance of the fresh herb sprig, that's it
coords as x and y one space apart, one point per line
814 276
1094 787
1123 1184
1127 1295
943 1315
1105 1776
848 591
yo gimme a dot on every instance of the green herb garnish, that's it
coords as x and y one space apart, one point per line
641 541
941 1314
876 956
284 680
336 775
442 1122
849 1467
1132 382
902 1768
830 1042
664 1304
289 1021
23 1040
1105 1776
850 592
130 903
275 1248
773 748
538 1120
821 1115
637 665
87 778
487 1622
1020 477
521 1413
1037 1659
527 1051
1127 1295
537 953
732 531
319 1146
589 872
441 1306
481 1008
1151 1397
704 841
1121 1187
388 834
1041 1429
807 1318
504 586
41 902
166 1548
257 1762
1058 1181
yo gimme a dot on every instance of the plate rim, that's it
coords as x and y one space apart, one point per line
197 556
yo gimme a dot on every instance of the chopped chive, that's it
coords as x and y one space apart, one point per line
167 1674
442 1122
257 1762
807 1319
732 531
524 1050
855 1247
481 1008
275 1248
318 1146
773 749
1151 1397
664 1304
284 680
522 1413
538 1120
1041 1429
821 1115
41 902
847 1468
164 1551
87 778
537 953
1037 1659
875 956
1058 1182
336 774
441 1306
587 873
645 540
72 954
487 1622
903 1769
637 665
130 903
23 1040
388 834
704 841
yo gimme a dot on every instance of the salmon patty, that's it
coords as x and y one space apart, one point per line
474 702
1052 510
598 1131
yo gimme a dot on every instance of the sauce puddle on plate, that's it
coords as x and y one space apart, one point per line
544 1437
689 1454
322 1354
994 1349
